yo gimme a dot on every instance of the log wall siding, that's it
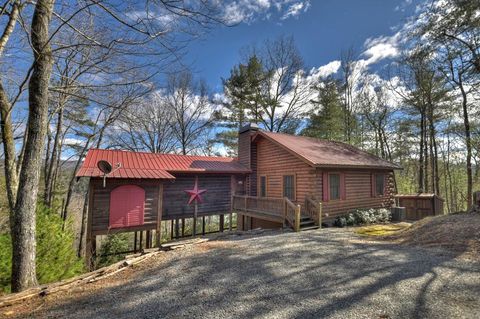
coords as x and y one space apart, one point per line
275 162
358 184
101 202
216 199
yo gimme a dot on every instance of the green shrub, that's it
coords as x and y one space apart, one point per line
5 262
111 246
56 256
364 216
340 221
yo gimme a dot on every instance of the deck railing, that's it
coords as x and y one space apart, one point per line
292 214
263 205
313 209
281 208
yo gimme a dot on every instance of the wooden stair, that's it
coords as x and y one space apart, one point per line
306 223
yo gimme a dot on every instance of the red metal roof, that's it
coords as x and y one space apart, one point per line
156 166
317 152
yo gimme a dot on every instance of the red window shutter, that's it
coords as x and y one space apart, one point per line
343 188
127 206
325 187
372 183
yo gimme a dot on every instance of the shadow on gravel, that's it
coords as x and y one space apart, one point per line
293 275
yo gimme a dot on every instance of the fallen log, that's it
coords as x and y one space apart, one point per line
96 275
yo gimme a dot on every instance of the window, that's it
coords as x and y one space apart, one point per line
263 186
380 184
334 184
289 186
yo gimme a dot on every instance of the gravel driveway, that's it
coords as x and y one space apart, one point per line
329 273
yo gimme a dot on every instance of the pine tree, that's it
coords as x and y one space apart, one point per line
327 122
244 99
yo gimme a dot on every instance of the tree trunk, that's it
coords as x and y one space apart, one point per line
24 215
420 160
50 174
45 163
71 184
468 141
11 176
83 224
425 155
12 21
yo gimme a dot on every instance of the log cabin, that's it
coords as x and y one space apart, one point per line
317 179
277 180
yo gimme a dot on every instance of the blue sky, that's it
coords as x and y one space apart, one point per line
322 29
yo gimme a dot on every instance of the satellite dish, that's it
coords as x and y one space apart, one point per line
106 169
104 166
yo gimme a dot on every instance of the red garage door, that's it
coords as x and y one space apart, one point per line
127 206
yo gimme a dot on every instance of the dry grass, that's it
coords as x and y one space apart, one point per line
382 230
458 233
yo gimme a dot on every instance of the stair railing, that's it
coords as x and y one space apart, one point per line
292 214
313 209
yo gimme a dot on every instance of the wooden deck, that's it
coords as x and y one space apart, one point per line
280 210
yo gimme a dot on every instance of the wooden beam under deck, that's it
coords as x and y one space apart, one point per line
261 215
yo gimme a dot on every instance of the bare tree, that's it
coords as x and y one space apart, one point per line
286 90
460 80
373 105
352 72
192 113
145 126
426 94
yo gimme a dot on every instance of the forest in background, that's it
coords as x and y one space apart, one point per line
89 76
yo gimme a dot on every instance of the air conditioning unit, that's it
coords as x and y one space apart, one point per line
398 214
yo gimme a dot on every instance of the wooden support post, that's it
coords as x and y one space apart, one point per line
297 218
141 240
230 226
183 227
320 208
135 243
94 252
158 232
148 240
195 213
91 252
171 229
203 225
177 228
222 223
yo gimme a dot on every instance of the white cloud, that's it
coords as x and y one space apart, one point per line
325 70
72 141
249 10
296 9
381 48
381 51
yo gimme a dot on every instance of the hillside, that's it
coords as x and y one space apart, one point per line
459 233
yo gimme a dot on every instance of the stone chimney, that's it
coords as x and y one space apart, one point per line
247 155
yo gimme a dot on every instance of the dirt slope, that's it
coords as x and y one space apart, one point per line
459 233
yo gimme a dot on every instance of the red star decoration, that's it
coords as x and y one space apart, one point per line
195 193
